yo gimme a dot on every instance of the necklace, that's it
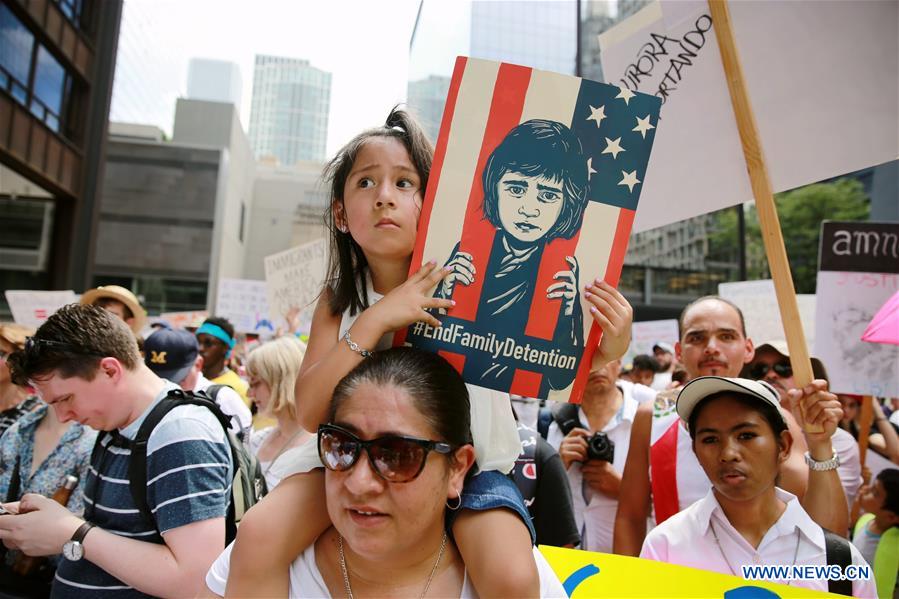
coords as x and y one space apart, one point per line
727 561
346 574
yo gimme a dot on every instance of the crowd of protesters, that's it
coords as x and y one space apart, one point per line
705 454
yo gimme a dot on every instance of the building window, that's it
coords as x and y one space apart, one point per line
16 48
72 10
50 86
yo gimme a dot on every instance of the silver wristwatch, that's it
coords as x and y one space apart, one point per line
831 464
73 550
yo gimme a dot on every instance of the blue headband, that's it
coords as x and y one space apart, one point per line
219 333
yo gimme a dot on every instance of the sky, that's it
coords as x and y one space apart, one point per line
364 44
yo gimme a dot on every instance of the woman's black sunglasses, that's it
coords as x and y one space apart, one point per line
394 458
781 369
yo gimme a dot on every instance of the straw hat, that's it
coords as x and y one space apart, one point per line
120 294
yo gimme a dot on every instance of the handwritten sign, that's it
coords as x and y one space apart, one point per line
758 302
536 181
245 303
649 332
857 274
184 320
32 308
294 277
790 52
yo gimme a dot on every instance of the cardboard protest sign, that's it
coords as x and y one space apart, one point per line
858 271
757 301
294 278
245 303
592 574
649 332
183 320
534 187
790 53
32 308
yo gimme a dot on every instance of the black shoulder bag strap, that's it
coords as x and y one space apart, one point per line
838 554
566 417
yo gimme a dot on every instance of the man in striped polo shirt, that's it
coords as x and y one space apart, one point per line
85 363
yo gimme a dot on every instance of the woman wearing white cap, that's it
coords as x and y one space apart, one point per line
740 438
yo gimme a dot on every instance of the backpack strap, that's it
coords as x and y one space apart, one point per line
213 391
838 554
137 465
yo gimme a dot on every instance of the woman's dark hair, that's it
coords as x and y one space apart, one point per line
889 478
438 391
540 148
347 265
771 414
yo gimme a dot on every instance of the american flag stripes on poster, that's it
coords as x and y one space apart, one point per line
532 194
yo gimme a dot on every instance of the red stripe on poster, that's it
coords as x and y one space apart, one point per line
509 95
424 220
619 246
526 383
437 164
457 361
613 274
544 311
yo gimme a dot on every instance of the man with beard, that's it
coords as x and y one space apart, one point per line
661 464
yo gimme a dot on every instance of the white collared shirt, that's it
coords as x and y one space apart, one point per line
687 539
594 512
231 404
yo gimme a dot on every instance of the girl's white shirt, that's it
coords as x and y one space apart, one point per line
493 427
306 579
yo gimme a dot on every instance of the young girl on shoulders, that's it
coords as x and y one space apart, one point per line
377 184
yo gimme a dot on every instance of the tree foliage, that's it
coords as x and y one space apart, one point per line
800 212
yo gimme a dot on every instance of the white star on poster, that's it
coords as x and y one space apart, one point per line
590 170
625 94
643 126
597 114
613 147
630 179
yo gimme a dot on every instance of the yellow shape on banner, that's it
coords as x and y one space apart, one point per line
589 574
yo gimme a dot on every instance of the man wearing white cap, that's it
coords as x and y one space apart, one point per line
664 354
662 476
740 438
771 364
119 301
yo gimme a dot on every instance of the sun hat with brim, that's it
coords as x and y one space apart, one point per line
699 388
120 294
780 346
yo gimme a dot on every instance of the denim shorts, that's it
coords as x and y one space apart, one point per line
490 490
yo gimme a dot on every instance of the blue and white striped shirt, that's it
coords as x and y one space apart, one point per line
188 480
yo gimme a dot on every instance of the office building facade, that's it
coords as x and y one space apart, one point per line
57 59
289 110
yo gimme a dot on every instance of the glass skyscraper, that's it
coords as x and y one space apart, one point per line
289 110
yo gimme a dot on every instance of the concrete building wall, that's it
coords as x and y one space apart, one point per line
288 204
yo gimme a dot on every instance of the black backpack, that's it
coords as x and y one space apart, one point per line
248 485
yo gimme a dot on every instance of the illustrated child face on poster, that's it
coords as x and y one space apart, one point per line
535 183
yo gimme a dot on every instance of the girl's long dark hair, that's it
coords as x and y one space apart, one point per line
345 280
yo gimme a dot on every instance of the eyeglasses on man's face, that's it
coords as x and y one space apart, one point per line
394 458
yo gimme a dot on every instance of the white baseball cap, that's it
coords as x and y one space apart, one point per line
699 388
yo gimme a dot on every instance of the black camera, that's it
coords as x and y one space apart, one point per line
600 447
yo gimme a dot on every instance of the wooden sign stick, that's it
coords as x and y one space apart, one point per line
764 197
866 419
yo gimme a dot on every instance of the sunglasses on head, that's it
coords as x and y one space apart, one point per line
33 345
394 458
781 369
